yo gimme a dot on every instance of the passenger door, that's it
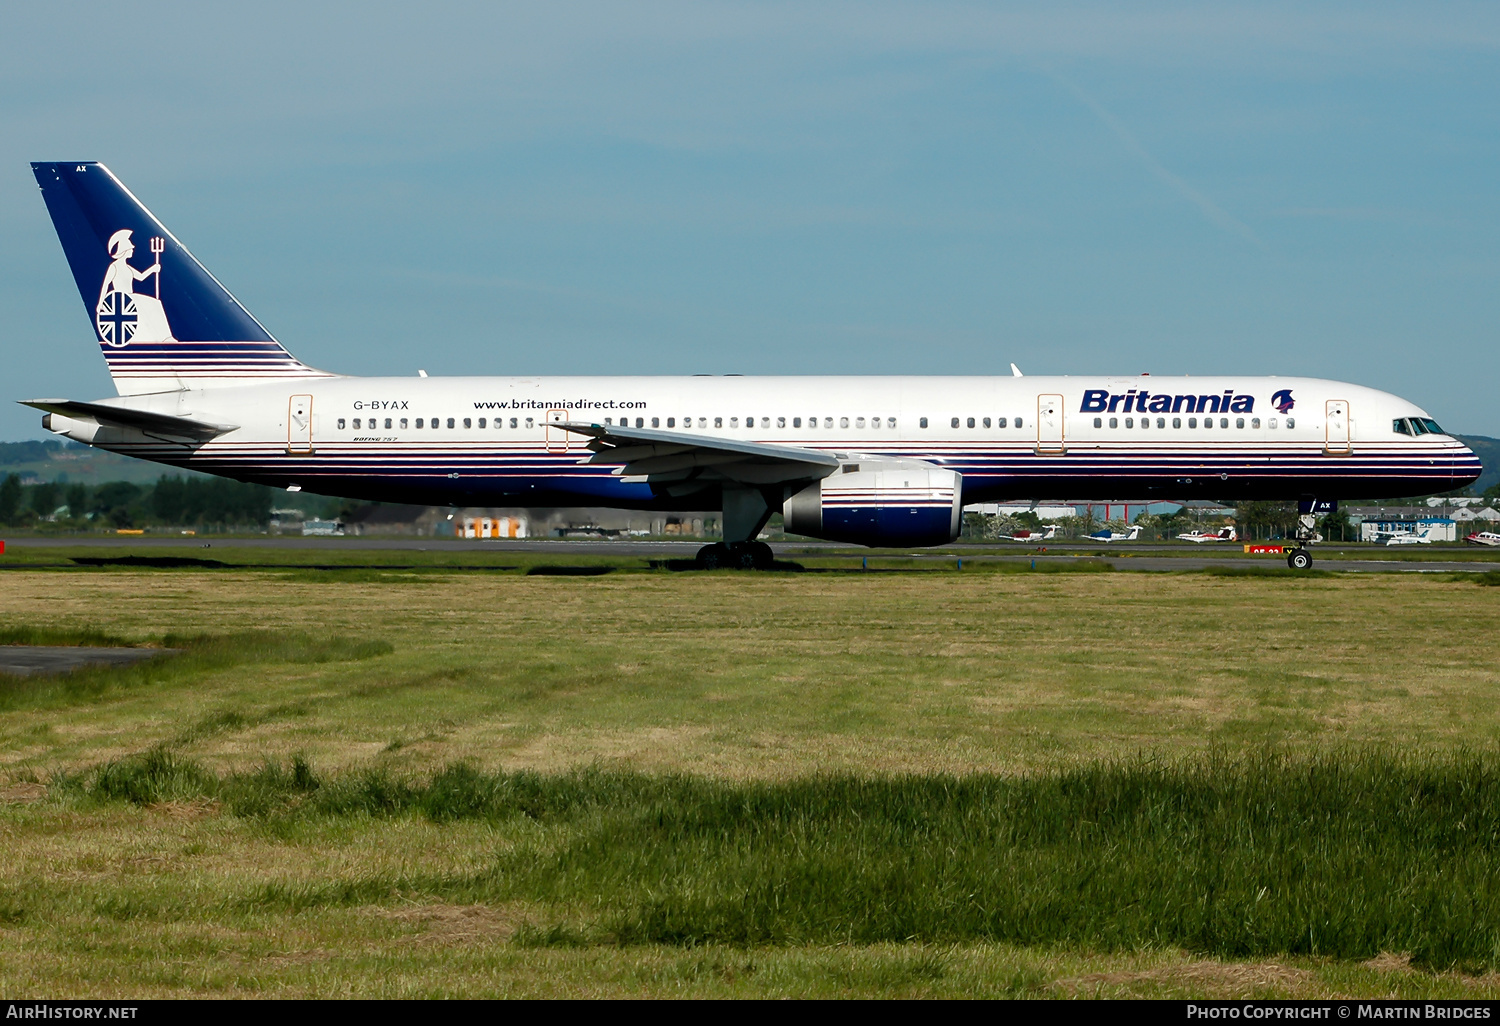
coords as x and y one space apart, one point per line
1337 428
1049 424
299 424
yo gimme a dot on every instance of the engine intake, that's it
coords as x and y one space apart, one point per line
879 502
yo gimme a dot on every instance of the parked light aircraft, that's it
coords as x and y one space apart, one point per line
1223 534
1107 535
866 460
1483 538
1032 536
1405 537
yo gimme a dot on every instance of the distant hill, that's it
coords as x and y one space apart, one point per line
54 460
1488 450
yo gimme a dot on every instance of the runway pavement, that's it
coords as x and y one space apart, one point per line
26 660
1140 557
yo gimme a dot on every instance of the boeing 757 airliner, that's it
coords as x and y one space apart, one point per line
880 461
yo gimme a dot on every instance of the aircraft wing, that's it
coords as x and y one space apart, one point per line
140 420
677 458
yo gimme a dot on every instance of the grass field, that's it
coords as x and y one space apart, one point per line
442 782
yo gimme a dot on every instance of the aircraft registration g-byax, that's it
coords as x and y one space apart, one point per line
880 461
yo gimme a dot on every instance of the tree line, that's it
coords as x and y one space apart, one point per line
212 502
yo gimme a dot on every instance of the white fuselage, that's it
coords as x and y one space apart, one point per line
487 440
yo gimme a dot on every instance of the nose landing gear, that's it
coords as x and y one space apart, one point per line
1307 530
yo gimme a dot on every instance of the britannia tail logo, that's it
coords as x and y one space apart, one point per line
1283 401
121 315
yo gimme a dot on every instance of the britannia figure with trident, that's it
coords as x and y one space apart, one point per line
122 316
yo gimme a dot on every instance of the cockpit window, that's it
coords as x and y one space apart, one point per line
1431 426
1417 427
1400 426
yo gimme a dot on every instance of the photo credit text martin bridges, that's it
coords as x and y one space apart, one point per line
880 461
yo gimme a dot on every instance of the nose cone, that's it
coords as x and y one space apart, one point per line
1466 466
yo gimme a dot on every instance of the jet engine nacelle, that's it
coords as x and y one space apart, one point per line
879 502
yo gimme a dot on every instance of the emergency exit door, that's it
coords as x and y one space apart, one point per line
1049 424
299 424
1337 429
557 438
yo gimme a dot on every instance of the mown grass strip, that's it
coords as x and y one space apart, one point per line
1343 855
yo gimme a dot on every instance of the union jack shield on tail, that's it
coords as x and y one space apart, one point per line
116 319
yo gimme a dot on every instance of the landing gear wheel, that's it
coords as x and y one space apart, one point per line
713 557
739 556
1300 559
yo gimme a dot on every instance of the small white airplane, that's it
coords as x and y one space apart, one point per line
1049 533
1107 535
1404 537
1223 534
1483 538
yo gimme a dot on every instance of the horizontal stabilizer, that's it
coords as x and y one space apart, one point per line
140 420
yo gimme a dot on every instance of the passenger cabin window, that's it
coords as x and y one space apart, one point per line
341 423
922 422
640 422
529 423
843 422
1291 422
1098 422
656 422
718 422
1192 422
1177 422
781 422
450 422
1130 422
1255 423
1239 422
954 422
481 422
1114 422
467 423
403 423
796 422
1000 422
512 422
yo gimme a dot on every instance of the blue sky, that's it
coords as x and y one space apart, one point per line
783 188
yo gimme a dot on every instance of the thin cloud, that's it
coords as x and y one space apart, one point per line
1216 214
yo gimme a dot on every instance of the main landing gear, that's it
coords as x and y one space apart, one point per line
752 555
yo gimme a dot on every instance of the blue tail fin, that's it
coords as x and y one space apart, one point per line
162 320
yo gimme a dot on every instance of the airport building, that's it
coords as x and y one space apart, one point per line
1375 522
